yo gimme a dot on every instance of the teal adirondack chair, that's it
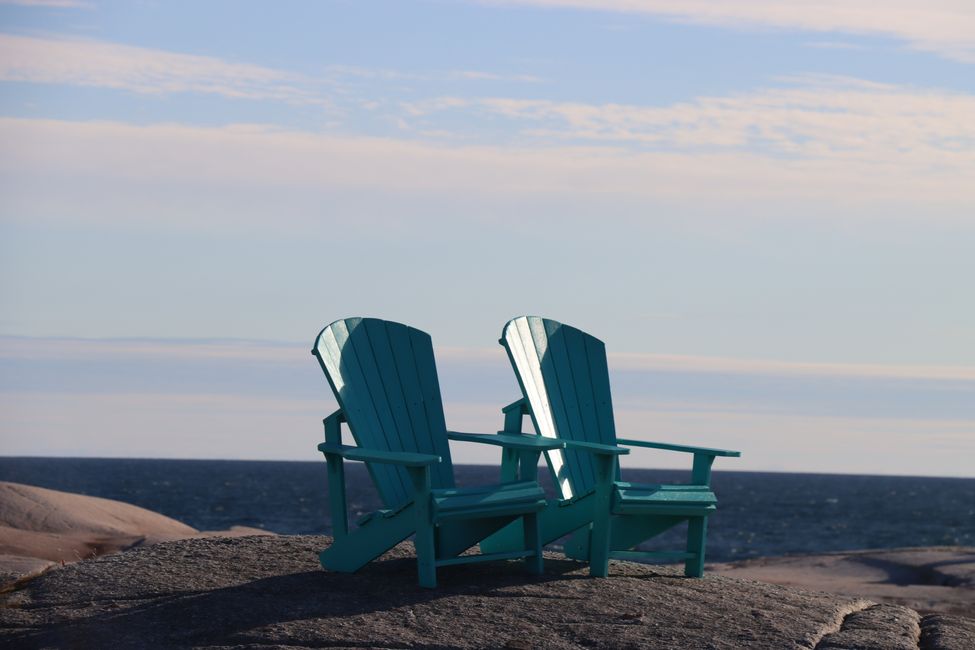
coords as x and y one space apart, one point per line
384 377
564 380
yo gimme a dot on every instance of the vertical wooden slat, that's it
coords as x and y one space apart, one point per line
599 372
426 370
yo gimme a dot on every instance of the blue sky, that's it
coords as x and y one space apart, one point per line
765 209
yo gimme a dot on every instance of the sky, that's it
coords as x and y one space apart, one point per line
764 208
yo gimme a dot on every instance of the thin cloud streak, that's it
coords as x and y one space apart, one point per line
814 117
337 72
235 351
93 63
143 70
128 161
56 4
768 367
70 349
251 427
944 27
234 399
834 45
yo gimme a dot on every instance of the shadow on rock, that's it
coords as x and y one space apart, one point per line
245 613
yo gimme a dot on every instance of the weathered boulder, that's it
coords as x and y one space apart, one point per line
41 527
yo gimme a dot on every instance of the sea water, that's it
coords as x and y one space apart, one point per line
759 514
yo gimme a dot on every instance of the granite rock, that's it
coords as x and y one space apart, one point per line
269 592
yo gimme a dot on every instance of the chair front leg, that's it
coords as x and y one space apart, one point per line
424 541
509 464
697 527
533 541
511 459
518 465
336 477
701 472
697 532
528 470
599 542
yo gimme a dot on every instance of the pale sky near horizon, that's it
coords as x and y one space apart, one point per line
766 209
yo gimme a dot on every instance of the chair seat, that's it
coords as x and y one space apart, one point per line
483 501
677 500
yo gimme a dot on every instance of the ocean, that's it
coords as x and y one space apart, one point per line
759 514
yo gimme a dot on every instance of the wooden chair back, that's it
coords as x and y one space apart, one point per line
384 377
563 374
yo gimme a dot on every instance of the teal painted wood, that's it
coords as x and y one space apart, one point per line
564 378
374 368
704 451
384 376
567 386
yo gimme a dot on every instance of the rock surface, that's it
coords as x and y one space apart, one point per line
259 592
41 527
929 580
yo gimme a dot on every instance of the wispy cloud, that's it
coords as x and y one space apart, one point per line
72 350
337 72
835 45
83 62
144 70
479 75
926 162
812 117
772 368
945 27
59 4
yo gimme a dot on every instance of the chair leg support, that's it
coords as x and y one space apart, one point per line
426 559
599 536
599 547
697 530
533 541
425 539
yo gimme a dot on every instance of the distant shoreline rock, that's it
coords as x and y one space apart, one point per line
40 528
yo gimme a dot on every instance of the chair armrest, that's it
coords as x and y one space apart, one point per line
404 458
684 448
521 404
596 447
513 441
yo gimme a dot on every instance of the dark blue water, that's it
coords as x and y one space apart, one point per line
758 513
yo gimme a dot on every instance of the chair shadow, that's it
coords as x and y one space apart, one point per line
225 616
925 574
